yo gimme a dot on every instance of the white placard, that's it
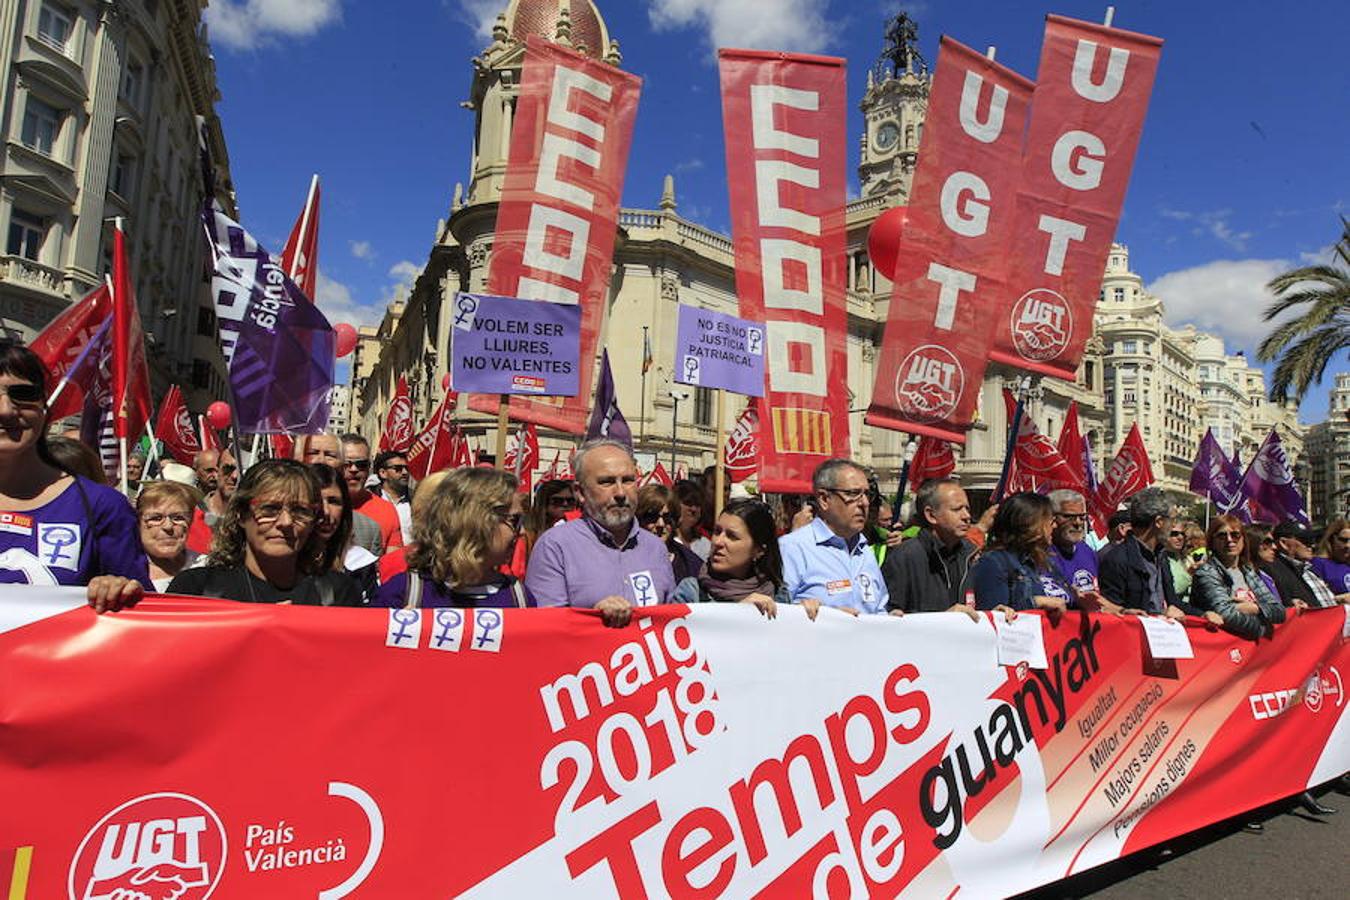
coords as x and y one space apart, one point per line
1021 640
1166 639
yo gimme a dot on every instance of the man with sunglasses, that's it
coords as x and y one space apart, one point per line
828 562
391 466
1291 570
212 506
356 472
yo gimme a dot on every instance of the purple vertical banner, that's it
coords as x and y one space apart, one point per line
502 345
715 350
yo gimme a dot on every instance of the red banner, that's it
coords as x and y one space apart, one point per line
742 448
175 429
1129 474
242 757
784 116
300 258
951 270
1037 464
434 448
61 342
398 422
1092 92
932 459
560 204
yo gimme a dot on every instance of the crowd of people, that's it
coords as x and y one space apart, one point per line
336 526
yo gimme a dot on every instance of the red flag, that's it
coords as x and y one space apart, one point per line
283 445
1129 474
659 475
209 439
1037 464
742 453
398 423
560 204
300 259
1092 91
951 271
174 427
130 378
785 120
60 343
430 450
522 456
933 458
552 473
1070 443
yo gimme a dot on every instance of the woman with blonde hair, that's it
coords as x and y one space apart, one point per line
471 522
164 511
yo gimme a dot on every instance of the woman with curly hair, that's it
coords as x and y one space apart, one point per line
1015 570
471 524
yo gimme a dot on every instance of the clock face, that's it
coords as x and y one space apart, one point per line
887 135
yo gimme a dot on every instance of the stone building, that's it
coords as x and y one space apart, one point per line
1327 452
100 103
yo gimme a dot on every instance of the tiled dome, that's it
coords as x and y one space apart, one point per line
526 17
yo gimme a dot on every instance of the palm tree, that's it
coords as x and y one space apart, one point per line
1302 347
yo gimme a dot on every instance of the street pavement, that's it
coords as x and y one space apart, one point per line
1299 857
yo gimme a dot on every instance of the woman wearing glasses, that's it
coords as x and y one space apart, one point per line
466 534
1261 543
1227 583
164 509
58 528
1332 563
658 511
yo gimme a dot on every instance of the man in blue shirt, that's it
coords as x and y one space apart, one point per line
827 562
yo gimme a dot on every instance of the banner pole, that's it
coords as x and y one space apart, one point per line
720 477
152 460
904 480
1024 389
503 423
122 453
642 413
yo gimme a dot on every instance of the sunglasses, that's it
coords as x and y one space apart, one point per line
357 463
1228 535
563 502
1178 533
515 521
651 518
22 394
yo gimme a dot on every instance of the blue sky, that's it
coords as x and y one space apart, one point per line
1242 171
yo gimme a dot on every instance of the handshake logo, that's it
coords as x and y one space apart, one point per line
156 847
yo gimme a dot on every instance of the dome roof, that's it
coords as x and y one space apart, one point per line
527 17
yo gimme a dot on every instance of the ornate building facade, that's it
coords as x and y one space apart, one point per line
1328 458
99 115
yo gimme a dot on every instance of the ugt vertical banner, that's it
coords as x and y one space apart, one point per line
952 265
1092 92
560 204
784 117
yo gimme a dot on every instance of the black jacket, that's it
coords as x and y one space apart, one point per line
917 577
1124 578
1289 582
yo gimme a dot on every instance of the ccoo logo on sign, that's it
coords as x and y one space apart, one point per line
156 846
1041 324
929 384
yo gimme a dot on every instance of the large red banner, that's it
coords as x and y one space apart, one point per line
951 271
1092 92
560 204
784 117
536 752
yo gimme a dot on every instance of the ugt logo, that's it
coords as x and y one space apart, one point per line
929 384
159 846
1041 325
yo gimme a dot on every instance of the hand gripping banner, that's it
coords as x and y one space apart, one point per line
535 752
784 118
951 272
1092 92
560 204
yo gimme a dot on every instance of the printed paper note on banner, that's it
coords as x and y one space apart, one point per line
1092 92
784 117
560 204
715 350
501 345
952 264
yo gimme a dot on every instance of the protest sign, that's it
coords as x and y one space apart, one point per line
715 350
501 345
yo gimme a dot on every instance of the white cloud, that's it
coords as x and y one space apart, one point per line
1214 223
688 165
336 302
792 25
245 24
362 249
481 14
1224 297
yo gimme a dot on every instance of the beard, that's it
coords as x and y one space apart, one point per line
613 517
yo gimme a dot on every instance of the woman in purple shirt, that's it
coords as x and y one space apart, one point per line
1332 563
465 537
55 527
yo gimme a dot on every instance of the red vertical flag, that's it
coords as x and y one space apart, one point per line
174 427
60 343
1092 92
742 453
560 204
1129 474
784 116
522 456
300 259
398 422
1070 443
130 378
933 458
1037 464
209 439
952 266
430 450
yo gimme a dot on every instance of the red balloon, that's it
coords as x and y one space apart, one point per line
883 240
346 338
218 415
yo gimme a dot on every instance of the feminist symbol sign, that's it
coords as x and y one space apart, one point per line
448 631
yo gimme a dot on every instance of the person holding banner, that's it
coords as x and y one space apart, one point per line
465 535
1292 569
1136 574
1228 585
658 511
931 572
604 560
55 527
1015 569
745 565
1332 564
164 509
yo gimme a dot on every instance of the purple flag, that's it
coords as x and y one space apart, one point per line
1215 477
279 349
1270 483
92 372
606 420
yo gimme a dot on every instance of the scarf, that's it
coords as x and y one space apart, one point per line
733 590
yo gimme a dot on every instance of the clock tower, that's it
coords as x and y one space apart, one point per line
893 111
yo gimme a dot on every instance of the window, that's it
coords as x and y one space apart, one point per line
206 321
201 374
26 233
132 80
1129 346
122 180
41 125
54 26
1118 294
703 406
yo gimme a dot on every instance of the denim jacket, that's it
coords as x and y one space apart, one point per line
1003 578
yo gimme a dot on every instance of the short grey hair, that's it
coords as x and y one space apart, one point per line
1147 505
579 457
1064 495
926 497
823 478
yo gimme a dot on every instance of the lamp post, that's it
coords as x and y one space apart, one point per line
676 394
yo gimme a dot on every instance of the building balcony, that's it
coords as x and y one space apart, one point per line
19 271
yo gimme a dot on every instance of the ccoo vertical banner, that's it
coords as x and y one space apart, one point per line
1092 92
784 117
560 204
951 271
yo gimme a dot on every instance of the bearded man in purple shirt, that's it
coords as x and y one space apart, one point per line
1069 552
603 560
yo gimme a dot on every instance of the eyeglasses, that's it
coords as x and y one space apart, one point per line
356 463
1177 533
514 521
22 394
563 502
154 520
267 513
227 469
1228 535
1072 517
848 495
1267 542
650 518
